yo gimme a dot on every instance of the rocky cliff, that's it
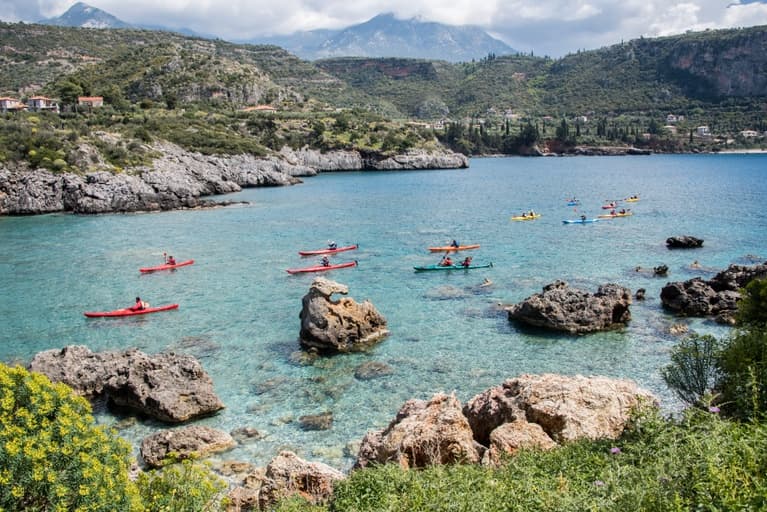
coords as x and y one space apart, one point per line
181 179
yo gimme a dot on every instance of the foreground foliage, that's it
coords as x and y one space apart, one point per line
700 462
52 456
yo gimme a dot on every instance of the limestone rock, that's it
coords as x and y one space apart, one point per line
338 326
288 475
169 387
566 408
717 297
424 433
183 443
562 308
509 438
683 242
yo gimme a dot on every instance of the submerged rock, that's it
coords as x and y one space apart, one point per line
562 308
338 326
169 387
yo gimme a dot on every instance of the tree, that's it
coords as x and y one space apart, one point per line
743 361
69 91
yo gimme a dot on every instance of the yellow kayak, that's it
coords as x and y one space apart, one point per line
525 217
611 215
632 199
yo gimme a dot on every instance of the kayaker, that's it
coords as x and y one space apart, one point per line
454 243
332 244
446 261
171 260
139 305
325 261
466 262
583 217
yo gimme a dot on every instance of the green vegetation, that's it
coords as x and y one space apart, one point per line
52 456
698 462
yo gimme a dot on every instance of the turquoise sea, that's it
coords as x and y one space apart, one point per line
239 309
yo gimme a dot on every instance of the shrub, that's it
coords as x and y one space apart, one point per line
692 373
188 485
52 456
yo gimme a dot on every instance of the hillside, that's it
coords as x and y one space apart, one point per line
155 65
714 70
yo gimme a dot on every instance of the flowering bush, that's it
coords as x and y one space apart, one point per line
52 456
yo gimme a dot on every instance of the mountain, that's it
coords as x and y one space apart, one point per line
85 16
387 36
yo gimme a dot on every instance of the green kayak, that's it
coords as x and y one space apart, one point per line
451 267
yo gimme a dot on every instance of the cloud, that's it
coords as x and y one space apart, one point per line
553 27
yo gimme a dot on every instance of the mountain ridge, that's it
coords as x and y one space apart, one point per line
385 35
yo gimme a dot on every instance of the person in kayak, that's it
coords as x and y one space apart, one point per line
446 261
466 262
583 217
332 244
325 261
171 260
454 243
139 305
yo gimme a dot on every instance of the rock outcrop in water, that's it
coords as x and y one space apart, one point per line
717 297
169 387
338 326
562 308
683 242
184 443
541 411
180 179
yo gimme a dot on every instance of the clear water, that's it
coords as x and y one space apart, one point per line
239 308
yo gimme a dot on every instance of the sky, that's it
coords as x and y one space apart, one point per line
544 27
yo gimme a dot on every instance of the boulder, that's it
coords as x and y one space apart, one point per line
562 308
565 408
288 475
424 433
169 387
683 242
338 326
183 443
717 297
509 438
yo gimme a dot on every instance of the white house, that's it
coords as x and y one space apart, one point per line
703 131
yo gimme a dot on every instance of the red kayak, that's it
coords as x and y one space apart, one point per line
321 268
328 251
129 312
166 266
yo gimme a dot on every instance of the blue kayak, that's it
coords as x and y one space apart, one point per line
451 267
580 221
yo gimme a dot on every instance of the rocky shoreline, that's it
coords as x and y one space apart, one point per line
180 179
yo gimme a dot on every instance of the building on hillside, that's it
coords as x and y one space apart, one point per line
749 134
11 105
582 119
260 108
670 129
673 118
42 103
703 131
90 101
